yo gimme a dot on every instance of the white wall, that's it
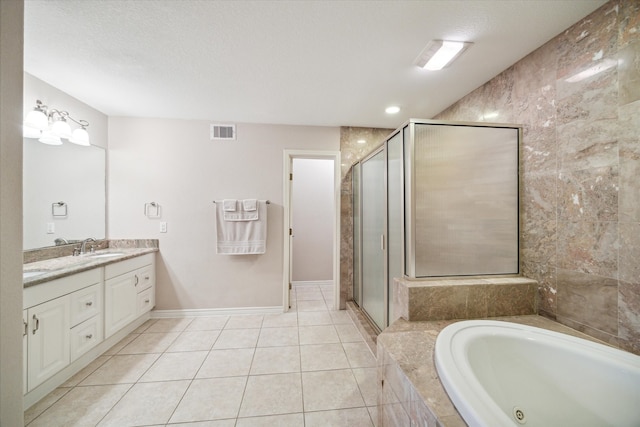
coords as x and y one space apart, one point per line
313 206
11 48
173 163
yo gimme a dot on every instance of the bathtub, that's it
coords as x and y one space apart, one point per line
507 374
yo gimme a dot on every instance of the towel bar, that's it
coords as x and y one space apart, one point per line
267 202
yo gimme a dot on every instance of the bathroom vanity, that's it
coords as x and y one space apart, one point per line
77 307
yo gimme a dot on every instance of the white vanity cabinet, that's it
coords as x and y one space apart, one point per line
50 309
70 321
129 291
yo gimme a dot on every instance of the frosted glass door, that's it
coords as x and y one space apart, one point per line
373 230
357 235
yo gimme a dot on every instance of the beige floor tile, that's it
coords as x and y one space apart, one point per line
340 317
324 390
120 344
207 323
146 325
217 423
314 305
367 379
348 333
237 338
44 403
194 341
272 395
169 325
311 318
120 369
82 406
353 417
273 337
175 366
146 404
373 411
150 343
309 295
276 360
211 399
281 320
247 321
320 357
86 371
323 334
288 420
227 363
359 355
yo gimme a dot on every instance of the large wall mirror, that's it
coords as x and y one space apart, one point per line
70 174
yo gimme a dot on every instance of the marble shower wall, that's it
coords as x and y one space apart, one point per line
351 152
578 98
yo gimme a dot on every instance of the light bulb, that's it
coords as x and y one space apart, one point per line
36 119
80 137
61 129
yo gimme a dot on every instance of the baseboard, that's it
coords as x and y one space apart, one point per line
312 283
161 314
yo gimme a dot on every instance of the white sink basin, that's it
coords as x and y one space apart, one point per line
27 274
106 255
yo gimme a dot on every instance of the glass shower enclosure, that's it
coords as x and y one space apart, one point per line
437 199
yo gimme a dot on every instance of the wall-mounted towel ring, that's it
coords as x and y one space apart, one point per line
59 209
152 210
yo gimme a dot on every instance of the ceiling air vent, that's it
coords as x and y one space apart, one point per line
223 132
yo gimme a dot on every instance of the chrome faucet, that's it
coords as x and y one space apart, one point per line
83 247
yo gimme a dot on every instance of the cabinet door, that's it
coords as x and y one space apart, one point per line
48 346
120 302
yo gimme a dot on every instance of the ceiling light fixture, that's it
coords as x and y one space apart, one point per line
438 54
362 141
392 109
49 126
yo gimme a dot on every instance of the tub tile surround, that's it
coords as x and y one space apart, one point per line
470 298
580 158
409 389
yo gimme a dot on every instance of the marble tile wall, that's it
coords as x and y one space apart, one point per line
578 98
351 152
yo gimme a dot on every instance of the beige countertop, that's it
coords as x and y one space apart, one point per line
56 268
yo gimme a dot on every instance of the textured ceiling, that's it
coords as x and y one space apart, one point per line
335 63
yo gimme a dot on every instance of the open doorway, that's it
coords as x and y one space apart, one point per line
312 223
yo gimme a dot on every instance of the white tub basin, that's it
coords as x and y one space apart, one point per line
506 374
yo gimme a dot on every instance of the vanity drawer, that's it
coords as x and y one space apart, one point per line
145 278
85 336
145 301
86 303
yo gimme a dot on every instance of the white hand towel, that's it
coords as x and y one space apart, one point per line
249 205
229 205
241 237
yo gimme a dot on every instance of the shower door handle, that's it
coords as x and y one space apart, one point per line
382 242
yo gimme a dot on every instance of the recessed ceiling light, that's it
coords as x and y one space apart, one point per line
394 109
440 53
362 141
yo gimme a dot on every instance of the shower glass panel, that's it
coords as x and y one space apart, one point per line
373 228
466 200
357 233
395 215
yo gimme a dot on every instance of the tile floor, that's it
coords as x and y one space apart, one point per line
308 367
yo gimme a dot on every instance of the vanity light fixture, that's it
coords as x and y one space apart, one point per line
438 54
50 126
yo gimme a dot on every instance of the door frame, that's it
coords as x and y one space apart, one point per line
289 155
